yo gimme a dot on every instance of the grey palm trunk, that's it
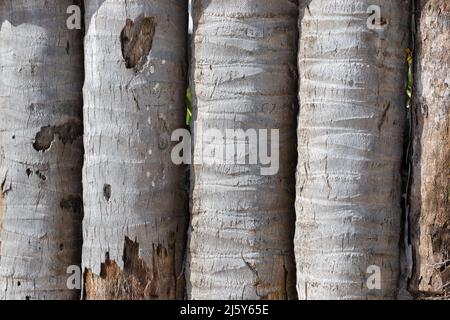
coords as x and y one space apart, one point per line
243 76
41 150
135 198
352 75
326 224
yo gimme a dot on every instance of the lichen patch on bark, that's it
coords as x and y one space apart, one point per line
136 41
136 281
67 132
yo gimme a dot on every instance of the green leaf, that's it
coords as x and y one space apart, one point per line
188 107
410 60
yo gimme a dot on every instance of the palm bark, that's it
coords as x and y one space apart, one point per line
243 77
350 131
430 194
135 202
41 149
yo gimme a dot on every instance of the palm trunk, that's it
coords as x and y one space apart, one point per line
430 194
243 77
41 149
351 122
135 202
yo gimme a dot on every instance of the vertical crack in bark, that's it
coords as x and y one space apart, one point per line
136 41
136 281
1 217
5 187
383 116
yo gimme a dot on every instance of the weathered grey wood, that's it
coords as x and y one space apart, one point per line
243 76
135 198
41 151
350 135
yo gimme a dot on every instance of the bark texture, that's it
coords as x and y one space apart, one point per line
243 77
134 98
1 212
351 122
430 194
41 150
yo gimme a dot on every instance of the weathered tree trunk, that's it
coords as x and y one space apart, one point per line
243 77
41 149
351 122
430 194
135 198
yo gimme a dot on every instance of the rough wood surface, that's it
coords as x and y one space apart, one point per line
430 194
137 280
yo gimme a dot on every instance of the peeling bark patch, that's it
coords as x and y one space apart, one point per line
67 132
136 281
72 203
440 238
136 41
107 191
44 138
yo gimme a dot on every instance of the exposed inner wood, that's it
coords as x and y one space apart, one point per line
136 40
430 193
137 281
